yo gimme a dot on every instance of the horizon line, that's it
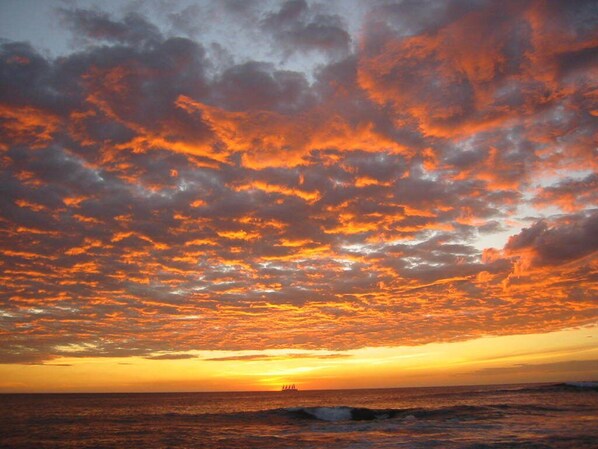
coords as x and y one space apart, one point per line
300 390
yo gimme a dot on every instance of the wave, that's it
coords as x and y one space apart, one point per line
580 385
587 386
344 413
455 412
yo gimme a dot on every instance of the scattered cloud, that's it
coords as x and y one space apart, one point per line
162 195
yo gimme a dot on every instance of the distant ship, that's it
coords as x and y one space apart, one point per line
289 388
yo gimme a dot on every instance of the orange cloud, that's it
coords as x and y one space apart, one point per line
158 198
27 125
268 138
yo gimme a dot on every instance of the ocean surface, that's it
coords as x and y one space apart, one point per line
480 417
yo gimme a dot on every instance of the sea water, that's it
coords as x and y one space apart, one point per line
507 416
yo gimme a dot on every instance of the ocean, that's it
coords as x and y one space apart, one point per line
474 417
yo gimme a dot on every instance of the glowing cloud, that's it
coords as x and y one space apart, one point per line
427 176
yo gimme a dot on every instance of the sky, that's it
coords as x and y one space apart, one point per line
238 195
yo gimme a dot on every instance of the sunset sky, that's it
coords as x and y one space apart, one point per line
239 194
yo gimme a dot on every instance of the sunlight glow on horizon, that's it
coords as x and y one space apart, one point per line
488 360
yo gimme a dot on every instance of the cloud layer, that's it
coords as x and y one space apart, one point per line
161 195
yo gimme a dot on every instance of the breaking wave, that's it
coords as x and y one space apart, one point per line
344 413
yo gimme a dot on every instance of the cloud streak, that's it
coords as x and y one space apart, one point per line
263 357
589 366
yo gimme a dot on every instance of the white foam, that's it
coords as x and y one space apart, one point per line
330 413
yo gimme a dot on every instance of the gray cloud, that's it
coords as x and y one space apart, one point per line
94 26
575 237
298 28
